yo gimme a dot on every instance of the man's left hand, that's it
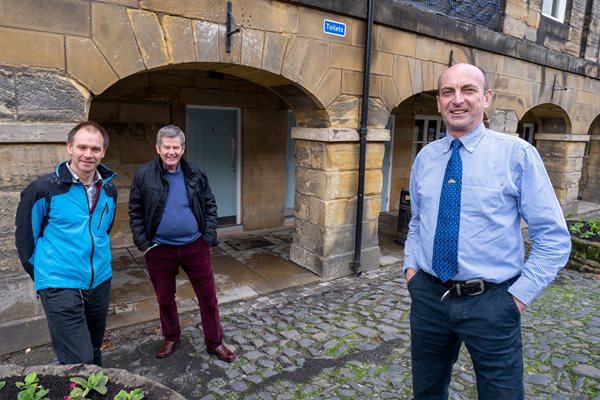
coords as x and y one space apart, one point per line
520 305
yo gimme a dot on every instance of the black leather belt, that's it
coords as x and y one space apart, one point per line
473 287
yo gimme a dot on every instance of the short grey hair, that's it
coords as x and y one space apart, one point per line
170 131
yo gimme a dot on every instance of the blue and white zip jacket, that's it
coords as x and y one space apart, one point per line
61 242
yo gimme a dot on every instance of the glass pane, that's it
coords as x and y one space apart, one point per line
431 131
418 148
442 129
418 130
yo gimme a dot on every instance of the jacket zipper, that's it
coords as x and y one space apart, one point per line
102 215
91 239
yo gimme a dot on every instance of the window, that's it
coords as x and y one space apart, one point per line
427 129
527 132
554 9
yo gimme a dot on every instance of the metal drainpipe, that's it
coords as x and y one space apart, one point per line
362 132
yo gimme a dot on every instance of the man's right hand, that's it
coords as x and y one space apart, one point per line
410 272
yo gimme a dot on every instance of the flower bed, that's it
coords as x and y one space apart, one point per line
56 379
585 238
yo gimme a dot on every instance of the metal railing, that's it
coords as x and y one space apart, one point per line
485 13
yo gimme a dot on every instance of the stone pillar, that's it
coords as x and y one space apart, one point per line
591 190
563 158
326 193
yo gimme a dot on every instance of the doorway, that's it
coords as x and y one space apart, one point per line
212 142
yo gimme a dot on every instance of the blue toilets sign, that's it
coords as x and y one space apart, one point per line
334 28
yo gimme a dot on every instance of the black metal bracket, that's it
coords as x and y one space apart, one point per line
555 87
451 58
231 28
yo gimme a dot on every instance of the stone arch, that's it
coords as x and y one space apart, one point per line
589 184
544 118
299 68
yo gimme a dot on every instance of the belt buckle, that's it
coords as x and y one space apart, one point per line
481 286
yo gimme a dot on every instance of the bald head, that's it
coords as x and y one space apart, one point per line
463 96
465 68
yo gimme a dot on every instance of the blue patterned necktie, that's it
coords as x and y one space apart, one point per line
445 242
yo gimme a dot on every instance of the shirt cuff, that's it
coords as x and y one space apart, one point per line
525 290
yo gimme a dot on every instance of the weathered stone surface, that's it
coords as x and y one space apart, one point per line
274 50
44 96
9 259
86 64
504 121
112 33
314 66
7 95
206 38
19 298
402 77
395 42
27 132
341 212
24 48
347 57
329 268
428 49
200 9
336 156
416 75
344 112
25 162
8 210
390 95
150 37
179 39
335 185
69 17
294 58
252 47
271 16
234 55
329 88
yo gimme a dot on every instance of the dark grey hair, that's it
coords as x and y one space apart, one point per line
170 131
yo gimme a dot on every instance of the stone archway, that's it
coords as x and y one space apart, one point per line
590 175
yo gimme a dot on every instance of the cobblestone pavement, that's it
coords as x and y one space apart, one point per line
349 339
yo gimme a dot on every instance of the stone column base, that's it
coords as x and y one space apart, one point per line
335 266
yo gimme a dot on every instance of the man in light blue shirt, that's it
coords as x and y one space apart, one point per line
503 181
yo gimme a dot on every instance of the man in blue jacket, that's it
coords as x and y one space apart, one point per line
62 236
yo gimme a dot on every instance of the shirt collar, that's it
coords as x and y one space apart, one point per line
76 179
469 141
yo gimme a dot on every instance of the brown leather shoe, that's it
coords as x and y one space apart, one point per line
223 353
167 348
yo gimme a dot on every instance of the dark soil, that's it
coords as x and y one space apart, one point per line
585 228
59 388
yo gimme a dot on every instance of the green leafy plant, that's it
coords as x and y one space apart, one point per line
136 394
96 381
2 384
575 227
588 229
30 389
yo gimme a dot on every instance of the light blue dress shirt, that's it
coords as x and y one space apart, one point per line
504 180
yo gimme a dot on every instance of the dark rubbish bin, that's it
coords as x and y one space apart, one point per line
403 216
